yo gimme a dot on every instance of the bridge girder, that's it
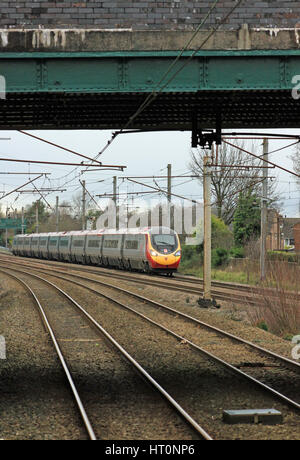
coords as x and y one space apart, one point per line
102 90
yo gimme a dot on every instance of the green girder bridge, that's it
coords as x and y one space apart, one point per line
68 88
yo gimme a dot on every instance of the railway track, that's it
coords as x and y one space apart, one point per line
229 292
60 355
255 365
189 421
284 360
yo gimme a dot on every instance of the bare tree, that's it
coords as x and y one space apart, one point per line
230 177
296 164
296 161
77 204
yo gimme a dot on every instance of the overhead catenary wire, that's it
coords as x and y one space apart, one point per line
91 197
154 93
23 173
21 186
42 197
162 191
164 76
266 161
243 189
42 190
81 165
214 30
60 147
150 98
108 195
285 147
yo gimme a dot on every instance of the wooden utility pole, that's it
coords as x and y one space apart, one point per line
115 189
37 226
264 212
6 234
23 226
115 183
57 214
169 183
171 210
207 227
83 206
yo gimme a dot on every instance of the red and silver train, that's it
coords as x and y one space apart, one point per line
150 249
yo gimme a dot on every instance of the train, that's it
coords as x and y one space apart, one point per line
149 250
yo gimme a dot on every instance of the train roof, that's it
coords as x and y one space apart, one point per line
104 231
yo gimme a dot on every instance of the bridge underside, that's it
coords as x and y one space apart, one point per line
245 89
237 109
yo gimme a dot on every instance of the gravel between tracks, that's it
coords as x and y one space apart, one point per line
34 400
120 404
230 317
178 364
203 388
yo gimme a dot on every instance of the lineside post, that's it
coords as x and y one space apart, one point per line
115 199
170 207
264 212
23 226
37 217
169 183
115 189
83 206
6 234
57 214
207 227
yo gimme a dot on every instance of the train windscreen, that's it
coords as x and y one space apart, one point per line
164 243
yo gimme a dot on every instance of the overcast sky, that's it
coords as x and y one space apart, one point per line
143 154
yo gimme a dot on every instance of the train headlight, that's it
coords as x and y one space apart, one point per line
178 254
153 253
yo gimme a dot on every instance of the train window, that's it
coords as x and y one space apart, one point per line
34 242
64 242
53 242
43 242
78 243
27 242
111 243
94 244
164 242
131 244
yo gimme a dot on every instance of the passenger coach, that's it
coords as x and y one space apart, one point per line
151 249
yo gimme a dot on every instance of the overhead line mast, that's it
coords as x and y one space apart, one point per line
264 214
207 227
83 205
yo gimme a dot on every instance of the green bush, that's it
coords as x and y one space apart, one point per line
219 257
247 220
191 256
263 325
237 253
222 237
